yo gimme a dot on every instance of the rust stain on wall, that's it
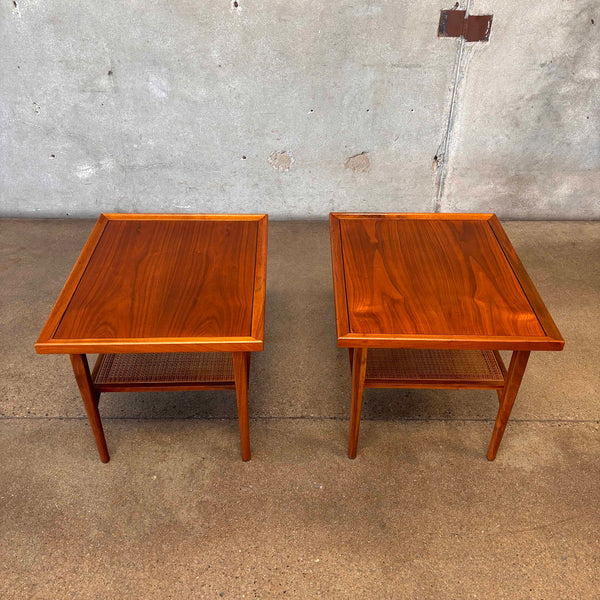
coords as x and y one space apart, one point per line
456 23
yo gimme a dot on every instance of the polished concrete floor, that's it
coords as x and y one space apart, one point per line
420 513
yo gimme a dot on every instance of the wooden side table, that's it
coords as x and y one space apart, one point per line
428 300
169 302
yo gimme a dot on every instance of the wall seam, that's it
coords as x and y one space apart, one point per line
442 155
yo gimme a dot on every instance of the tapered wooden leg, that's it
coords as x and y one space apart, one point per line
240 369
350 357
359 368
90 399
518 362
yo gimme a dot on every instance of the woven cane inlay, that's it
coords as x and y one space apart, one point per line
461 365
176 367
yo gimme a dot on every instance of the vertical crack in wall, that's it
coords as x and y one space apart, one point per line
440 160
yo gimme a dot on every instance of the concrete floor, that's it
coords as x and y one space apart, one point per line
420 513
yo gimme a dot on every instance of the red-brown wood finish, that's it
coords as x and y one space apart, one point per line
240 367
90 397
516 370
148 283
431 277
359 367
417 282
436 281
169 279
533 296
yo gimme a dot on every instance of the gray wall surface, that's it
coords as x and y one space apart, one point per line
298 108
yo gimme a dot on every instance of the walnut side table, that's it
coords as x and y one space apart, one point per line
169 302
428 300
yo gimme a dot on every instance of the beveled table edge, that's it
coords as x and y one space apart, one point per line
448 342
145 345
553 340
47 344
422 216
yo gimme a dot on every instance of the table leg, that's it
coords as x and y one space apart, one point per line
90 399
240 368
518 362
359 368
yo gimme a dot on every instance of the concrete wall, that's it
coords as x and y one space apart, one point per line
197 106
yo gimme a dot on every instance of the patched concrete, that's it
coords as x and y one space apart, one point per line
281 161
360 163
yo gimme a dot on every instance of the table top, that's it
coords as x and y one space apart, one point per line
434 281
164 283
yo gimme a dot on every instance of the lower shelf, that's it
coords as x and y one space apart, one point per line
164 371
434 368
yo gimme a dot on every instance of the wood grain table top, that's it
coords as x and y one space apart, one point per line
434 281
164 283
